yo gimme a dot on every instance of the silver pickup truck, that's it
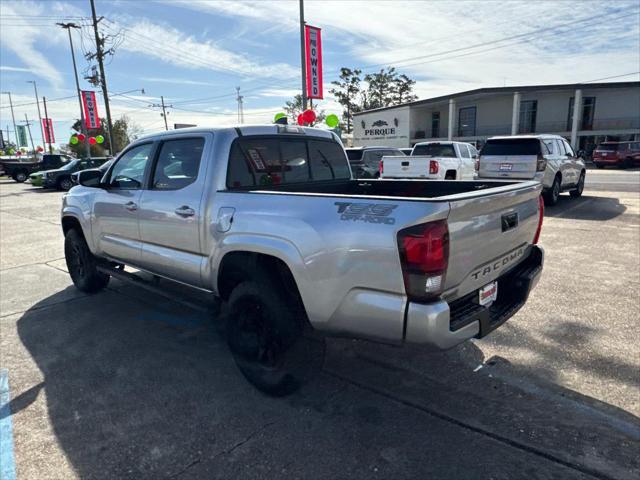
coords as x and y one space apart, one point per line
269 219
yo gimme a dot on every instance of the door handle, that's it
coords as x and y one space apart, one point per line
131 206
185 211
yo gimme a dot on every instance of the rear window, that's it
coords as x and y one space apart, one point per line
608 147
435 150
273 161
507 146
354 155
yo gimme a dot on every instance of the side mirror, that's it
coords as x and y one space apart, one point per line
88 178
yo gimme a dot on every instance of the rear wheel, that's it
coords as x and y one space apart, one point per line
20 176
579 188
265 336
65 183
82 264
551 196
599 165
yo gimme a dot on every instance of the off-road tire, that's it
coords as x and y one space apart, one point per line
265 332
82 264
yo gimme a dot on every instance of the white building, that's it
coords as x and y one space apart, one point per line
586 114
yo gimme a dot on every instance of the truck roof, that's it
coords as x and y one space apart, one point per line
269 129
531 136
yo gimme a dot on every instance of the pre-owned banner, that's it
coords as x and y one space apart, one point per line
91 118
22 135
47 128
313 52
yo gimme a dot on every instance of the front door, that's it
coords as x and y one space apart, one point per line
115 229
170 211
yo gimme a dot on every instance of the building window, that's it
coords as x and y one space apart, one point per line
528 111
588 111
467 122
435 124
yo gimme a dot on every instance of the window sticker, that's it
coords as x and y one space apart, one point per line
256 159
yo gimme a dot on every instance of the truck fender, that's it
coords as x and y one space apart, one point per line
73 217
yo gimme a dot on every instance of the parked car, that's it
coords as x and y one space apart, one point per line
365 161
433 161
20 171
102 169
406 151
619 154
61 177
269 219
548 159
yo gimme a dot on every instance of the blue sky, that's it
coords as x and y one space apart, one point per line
196 52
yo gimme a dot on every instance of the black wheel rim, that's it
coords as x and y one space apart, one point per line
76 262
65 184
252 337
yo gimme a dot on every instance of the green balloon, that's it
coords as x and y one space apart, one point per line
11 151
99 139
279 116
332 120
73 140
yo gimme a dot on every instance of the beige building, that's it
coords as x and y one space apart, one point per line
585 114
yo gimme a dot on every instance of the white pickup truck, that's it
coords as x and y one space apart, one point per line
433 161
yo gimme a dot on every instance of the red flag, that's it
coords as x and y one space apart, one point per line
91 117
47 127
313 55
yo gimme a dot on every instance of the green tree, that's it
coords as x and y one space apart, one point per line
403 90
293 108
124 131
380 88
347 93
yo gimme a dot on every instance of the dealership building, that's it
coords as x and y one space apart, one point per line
584 113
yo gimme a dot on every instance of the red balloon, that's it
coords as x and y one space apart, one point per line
18 153
301 119
92 140
40 149
81 137
309 116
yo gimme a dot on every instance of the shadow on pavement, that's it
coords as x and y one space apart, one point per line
587 207
141 388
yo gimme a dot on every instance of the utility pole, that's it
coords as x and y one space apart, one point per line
103 79
83 127
38 104
303 65
164 111
46 115
239 98
13 117
28 124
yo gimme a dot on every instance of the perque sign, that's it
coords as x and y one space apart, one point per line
91 118
313 51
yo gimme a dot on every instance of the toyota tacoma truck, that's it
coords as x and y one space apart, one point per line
270 220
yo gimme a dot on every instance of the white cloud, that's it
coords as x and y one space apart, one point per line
4 68
279 92
177 81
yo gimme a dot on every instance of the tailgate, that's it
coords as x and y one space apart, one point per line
489 235
507 166
406 167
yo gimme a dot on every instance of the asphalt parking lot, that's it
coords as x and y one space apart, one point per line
125 384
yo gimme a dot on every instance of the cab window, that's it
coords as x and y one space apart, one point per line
128 172
178 163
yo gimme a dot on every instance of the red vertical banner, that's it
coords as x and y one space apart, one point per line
47 128
91 117
313 57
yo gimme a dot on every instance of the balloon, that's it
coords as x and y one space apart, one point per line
279 116
332 120
72 141
18 153
11 151
99 139
309 116
300 120
81 137
92 140
39 148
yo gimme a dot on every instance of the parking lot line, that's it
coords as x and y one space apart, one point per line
7 459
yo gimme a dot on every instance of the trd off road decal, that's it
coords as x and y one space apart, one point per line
366 212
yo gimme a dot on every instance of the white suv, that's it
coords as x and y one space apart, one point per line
546 158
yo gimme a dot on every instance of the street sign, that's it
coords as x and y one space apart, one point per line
22 136
313 59
91 117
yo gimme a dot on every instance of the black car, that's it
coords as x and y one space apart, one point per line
365 161
102 169
20 171
61 178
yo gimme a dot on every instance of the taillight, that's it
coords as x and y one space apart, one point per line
540 217
381 167
541 164
424 255
433 167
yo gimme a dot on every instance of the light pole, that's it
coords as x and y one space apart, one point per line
68 27
35 89
13 117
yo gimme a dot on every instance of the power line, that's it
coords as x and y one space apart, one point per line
609 78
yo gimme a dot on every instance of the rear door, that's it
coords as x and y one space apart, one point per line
171 210
467 168
509 158
569 163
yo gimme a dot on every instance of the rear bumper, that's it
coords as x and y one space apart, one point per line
441 325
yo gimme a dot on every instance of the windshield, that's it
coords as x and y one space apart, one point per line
435 150
609 147
71 165
516 146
